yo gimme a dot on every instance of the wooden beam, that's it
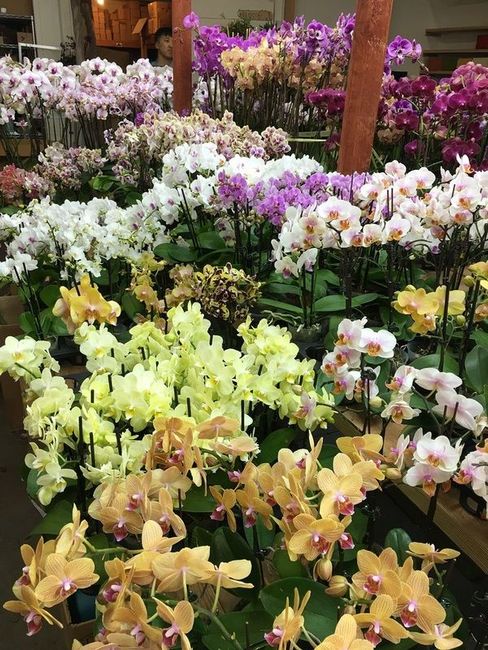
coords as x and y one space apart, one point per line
364 80
182 58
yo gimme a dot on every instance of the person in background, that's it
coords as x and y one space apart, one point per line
164 47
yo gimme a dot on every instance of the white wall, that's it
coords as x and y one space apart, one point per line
412 17
224 11
54 22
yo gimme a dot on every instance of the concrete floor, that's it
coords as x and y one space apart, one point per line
18 517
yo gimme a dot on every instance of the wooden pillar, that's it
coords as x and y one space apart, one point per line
182 57
290 11
364 79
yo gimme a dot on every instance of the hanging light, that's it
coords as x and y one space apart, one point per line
101 2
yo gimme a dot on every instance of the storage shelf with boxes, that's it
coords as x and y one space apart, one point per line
16 25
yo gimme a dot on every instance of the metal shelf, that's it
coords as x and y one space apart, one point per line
454 30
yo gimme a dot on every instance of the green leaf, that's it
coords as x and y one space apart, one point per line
31 484
325 275
321 611
101 541
275 441
282 289
433 360
201 536
364 298
50 294
476 367
286 567
197 501
56 517
481 338
277 305
329 303
331 336
58 327
265 537
398 539
131 305
258 623
227 546
326 456
27 323
175 253
405 644
211 240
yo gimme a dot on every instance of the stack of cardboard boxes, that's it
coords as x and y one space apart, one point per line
114 22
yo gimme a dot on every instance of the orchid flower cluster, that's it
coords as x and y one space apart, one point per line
428 120
427 458
136 149
183 373
89 94
264 77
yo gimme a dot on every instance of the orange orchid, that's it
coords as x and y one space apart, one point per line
252 505
34 561
226 500
162 512
71 537
314 537
132 619
29 606
291 499
377 574
179 570
119 577
181 620
138 489
415 604
218 427
345 637
340 493
153 544
440 636
241 477
379 622
287 626
63 578
172 480
430 555
116 519
229 575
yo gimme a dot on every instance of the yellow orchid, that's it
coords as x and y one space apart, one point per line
314 537
440 636
226 500
287 626
345 637
63 578
179 570
29 606
340 493
480 270
430 555
415 604
422 324
217 427
416 301
116 518
361 447
456 304
377 574
84 303
181 620
379 622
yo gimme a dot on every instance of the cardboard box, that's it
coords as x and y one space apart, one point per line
160 11
152 26
25 37
18 7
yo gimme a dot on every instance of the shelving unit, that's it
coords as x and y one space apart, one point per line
14 25
438 31
442 61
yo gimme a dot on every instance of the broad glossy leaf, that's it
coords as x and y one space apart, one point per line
476 368
57 515
398 539
227 546
274 441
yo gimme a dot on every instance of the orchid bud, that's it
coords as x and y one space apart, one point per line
468 281
337 586
410 287
460 319
323 569
349 609
393 474
376 402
